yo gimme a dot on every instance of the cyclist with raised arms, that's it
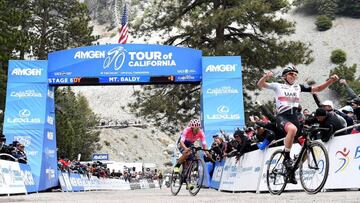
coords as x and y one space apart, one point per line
190 135
287 103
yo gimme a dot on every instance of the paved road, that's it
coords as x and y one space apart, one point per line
163 195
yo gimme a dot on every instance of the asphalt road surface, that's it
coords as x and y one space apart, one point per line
164 195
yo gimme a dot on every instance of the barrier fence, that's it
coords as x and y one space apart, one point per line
249 173
17 178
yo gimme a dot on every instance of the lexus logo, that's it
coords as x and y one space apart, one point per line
24 113
223 109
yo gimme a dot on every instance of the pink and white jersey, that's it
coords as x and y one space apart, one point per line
287 96
190 137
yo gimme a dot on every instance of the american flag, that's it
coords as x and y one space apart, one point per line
123 30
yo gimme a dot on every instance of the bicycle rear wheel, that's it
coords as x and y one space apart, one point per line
176 181
314 168
196 176
276 173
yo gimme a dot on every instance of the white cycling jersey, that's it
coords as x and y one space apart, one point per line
287 96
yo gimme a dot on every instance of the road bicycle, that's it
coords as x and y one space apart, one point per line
312 162
191 173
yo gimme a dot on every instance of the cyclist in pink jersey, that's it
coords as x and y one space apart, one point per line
190 135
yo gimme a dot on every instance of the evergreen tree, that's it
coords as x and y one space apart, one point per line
75 124
347 73
249 28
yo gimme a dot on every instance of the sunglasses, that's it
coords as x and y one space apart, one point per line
293 74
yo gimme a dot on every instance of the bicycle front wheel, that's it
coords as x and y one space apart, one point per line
196 176
276 173
176 182
314 167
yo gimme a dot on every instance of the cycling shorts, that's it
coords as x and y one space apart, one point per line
289 116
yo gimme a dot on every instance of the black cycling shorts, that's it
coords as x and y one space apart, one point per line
289 116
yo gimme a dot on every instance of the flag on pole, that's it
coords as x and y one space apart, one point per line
123 30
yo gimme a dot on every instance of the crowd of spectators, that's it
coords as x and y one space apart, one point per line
101 170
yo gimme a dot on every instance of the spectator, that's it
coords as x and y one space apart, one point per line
306 113
19 153
242 142
218 147
329 107
326 120
263 136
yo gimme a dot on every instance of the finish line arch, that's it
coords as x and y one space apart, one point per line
30 109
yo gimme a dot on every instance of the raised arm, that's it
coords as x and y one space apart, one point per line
262 82
326 84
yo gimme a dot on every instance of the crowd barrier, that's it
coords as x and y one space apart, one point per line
72 182
15 178
249 173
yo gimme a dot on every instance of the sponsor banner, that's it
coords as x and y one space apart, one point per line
216 177
128 60
228 177
344 156
26 71
223 103
248 171
11 179
76 182
49 173
33 142
25 106
28 178
67 181
221 67
97 157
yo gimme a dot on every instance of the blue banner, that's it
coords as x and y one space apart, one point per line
220 67
24 71
224 102
25 106
98 157
222 95
28 178
123 63
216 177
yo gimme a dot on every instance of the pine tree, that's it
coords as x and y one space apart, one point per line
75 124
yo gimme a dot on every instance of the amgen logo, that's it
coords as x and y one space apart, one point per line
221 68
100 157
27 72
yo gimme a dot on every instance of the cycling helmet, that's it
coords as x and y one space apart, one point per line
194 123
289 69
